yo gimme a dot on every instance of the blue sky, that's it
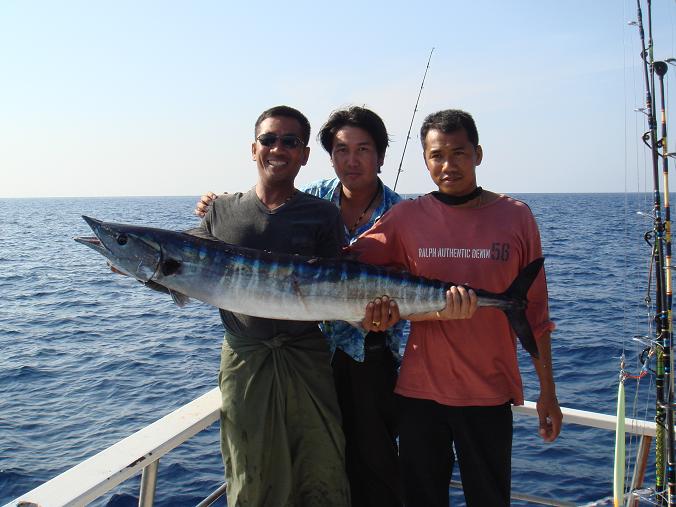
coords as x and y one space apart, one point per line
159 98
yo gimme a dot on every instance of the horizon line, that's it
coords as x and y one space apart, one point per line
197 195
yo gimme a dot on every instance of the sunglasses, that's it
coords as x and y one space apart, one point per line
289 141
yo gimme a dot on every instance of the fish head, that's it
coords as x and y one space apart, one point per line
130 249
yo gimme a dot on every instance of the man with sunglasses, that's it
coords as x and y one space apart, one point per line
281 437
364 364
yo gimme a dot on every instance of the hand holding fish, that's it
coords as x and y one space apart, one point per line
203 204
461 303
381 314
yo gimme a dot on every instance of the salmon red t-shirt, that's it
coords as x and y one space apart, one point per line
469 362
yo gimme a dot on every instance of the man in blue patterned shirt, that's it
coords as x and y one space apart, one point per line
364 364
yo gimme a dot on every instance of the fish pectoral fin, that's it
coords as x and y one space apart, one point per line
179 298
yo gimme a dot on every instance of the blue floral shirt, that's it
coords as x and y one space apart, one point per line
342 334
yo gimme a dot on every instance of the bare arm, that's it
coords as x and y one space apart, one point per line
548 408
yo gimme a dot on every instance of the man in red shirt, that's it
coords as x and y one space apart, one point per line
460 377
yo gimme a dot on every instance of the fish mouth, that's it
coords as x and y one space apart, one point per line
92 242
88 239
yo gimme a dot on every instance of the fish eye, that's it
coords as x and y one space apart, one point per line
122 239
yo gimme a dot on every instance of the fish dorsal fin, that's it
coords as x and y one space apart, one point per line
179 298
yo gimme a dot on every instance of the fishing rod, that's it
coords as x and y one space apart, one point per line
648 139
415 109
664 441
660 69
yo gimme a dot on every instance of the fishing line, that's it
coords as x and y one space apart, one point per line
623 453
415 109
629 84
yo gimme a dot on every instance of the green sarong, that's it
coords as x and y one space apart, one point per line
281 437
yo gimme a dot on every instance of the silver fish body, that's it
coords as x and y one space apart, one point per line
283 286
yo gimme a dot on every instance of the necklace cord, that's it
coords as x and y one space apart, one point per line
356 223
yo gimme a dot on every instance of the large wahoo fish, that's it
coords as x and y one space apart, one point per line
282 286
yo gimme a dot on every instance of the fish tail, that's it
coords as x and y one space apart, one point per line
517 314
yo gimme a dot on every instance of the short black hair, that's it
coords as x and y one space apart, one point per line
355 116
288 112
450 120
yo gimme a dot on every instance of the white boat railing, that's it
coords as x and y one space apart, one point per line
142 451
139 452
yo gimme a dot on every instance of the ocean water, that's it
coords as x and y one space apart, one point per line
87 357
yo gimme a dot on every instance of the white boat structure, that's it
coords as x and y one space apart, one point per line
140 453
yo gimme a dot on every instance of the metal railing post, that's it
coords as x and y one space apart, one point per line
222 489
146 496
639 469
